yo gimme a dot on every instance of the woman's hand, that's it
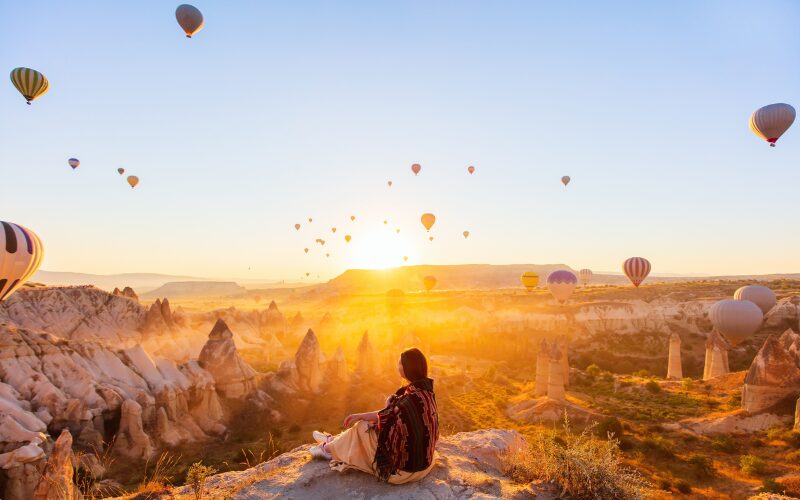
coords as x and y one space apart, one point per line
351 419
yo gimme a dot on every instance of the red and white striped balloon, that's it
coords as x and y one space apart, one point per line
636 269
21 254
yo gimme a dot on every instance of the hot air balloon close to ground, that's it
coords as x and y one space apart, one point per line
428 220
189 18
74 163
120 171
22 253
761 296
737 320
636 269
585 275
133 181
416 168
429 282
471 169
529 280
30 83
561 284
565 180
770 122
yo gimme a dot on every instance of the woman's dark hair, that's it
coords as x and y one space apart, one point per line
415 366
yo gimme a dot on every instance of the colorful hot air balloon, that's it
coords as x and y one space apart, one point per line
297 226
636 269
471 169
189 18
120 171
565 180
466 234
133 181
21 253
347 238
333 229
430 238
736 319
74 163
759 295
428 220
30 83
770 122
352 217
561 284
529 280
585 275
429 282
416 168
389 183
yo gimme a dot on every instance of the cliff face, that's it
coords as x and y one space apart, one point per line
233 376
774 374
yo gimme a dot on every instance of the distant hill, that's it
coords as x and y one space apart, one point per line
187 289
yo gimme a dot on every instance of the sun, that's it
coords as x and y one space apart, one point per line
378 250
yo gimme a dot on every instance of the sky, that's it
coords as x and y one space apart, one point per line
280 111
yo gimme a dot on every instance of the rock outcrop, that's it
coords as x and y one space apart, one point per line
126 292
716 358
337 367
542 369
555 378
132 441
234 378
774 374
57 478
273 320
305 374
674 366
366 360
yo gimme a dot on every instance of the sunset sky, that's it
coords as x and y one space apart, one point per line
280 111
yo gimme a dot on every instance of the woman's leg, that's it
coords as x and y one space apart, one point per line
355 447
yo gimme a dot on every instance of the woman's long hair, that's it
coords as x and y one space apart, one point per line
415 366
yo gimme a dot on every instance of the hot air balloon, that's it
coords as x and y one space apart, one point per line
333 229
352 217
429 282
120 171
565 180
759 295
770 122
397 230
297 226
636 269
305 250
133 181
585 275
74 163
416 168
310 219
327 255
405 258
736 319
430 238
21 253
30 83
386 222
466 234
389 183
529 280
307 274
347 238
189 18
471 169
428 220
561 284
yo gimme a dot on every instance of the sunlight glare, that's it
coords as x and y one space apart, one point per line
379 250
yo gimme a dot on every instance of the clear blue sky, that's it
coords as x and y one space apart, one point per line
280 111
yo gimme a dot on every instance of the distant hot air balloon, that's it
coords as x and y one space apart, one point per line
397 230
471 169
770 122
389 183
327 255
352 217
133 181
30 83
310 219
74 163
347 238
561 284
189 18
430 238
565 180
305 250
736 319
307 274
636 269
297 226
759 295
428 220
466 234
416 168
405 258
21 253
585 275
333 229
529 280
120 171
385 221
429 282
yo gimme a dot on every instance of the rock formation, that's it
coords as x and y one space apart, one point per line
774 374
56 482
132 441
555 379
366 361
308 361
337 367
234 378
126 292
674 366
797 415
716 358
272 320
563 344
542 369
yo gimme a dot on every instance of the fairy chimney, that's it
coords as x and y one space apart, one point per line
674 367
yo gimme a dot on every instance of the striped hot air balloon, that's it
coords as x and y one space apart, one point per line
561 284
770 122
529 280
21 256
585 275
737 320
759 295
30 83
636 269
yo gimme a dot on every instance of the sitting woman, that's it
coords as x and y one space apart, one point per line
397 443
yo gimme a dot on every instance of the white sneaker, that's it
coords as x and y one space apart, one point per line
318 452
321 437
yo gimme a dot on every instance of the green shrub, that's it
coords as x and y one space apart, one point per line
641 373
752 465
593 370
771 486
659 446
775 433
687 383
607 377
652 386
683 487
609 427
664 484
724 443
702 467
196 478
793 457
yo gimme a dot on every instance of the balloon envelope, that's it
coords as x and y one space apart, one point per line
565 180
429 282
189 18
416 168
471 169
466 234
133 181
428 220
529 280
561 284
737 320
389 183
347 238
120 171
74 163
21 254
585 275
30 83
636 269
297 226
759 295
770 122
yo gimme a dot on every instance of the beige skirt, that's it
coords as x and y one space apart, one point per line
355 449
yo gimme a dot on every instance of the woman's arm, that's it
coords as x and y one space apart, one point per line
370 416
